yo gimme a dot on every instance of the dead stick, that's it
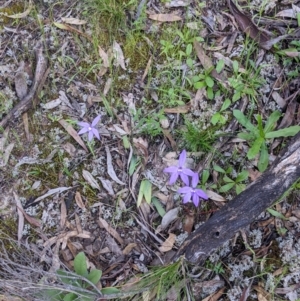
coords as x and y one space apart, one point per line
246 207
27 102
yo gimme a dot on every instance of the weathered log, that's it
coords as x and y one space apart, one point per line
246 207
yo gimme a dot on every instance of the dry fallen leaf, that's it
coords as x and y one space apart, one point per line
51 192
168 243
73 21
169 217
21 219
107 185
110 168
128 248
214 196
63 213
104 57
118 55
90 179
71 29
103 224
73 133
78 200
164 17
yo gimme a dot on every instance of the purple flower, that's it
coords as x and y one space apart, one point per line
90 128
191 192
179 170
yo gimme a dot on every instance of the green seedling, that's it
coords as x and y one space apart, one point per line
218 117
205 81
257 136
216 268
230 183
81 284
134 162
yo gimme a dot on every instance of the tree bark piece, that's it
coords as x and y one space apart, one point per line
27 102
244 209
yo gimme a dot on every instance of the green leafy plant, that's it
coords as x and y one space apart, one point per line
237 182
257 136
205 81
80 285
216 268
244 82
218 117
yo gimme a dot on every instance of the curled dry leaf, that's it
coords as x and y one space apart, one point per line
73 21
165 17
73 133
78 200
110 168
118 55
90 179
168 243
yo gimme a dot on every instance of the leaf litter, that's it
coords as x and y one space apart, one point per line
104 166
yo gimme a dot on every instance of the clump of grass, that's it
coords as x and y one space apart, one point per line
196 139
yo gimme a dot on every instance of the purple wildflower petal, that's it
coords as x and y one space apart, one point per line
182 158
187 172
173 178
184 178
96 120
195 199
91 135
96 133
184 190
195 180
83 130
187 198
171 169
83 124
201 194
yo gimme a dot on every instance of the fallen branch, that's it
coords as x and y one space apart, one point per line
246 207
27 102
